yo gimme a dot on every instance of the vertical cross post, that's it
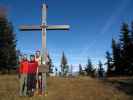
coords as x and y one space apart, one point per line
43 26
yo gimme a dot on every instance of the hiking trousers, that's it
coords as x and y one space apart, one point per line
23 85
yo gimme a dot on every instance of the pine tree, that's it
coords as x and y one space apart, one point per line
50 64
116 53
8 57
56 71
125 37
100 66
80 69
89 68
126 48
131 50
132 31
64 66
108 63
122 51
63 59
100 70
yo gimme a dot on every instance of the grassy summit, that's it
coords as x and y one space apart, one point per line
81 88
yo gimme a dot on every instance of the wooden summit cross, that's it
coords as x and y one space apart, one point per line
43 27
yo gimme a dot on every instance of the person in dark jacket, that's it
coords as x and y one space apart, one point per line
32 71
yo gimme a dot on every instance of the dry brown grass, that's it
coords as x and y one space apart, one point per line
81 88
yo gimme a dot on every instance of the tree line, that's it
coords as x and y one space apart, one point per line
120 62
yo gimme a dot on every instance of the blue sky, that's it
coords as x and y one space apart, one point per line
93 24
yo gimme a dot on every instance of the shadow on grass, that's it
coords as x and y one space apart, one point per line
125 85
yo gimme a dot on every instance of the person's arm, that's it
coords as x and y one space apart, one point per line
36 64
20 70
37 69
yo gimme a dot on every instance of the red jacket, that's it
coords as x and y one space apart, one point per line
32 67
23 69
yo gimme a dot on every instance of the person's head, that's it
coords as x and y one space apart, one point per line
37 53
24 57
32 57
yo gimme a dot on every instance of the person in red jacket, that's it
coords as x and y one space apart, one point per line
32 71
23 72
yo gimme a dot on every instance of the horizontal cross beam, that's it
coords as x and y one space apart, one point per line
29 27
39 27
58 27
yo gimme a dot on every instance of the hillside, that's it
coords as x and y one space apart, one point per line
81 88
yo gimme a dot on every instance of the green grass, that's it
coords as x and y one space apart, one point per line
81 88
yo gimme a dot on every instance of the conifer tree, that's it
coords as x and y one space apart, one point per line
89 69
64 65
126 48
8 57
80 69
116 54
108 63
50 64
100 70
